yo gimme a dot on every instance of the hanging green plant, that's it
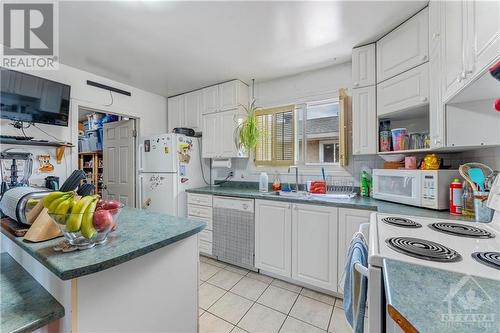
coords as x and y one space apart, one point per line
248 133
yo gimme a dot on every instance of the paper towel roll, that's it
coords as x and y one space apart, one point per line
222 163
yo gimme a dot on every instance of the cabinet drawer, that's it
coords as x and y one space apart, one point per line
200 211
405 91
205 247
200 199
207 221
206 235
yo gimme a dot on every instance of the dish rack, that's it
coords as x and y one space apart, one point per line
340 186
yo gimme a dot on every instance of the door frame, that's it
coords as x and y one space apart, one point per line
75 106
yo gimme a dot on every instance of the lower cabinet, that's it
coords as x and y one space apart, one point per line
273 237
314 245
349 222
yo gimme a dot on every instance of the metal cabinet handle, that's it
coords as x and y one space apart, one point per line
423 99
355 84
424 58
435 35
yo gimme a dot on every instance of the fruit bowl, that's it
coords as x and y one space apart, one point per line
85 230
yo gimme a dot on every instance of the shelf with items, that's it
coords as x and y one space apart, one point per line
92 164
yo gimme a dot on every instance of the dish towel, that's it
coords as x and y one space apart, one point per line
355 285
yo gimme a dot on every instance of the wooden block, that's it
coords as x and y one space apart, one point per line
34 212
43 228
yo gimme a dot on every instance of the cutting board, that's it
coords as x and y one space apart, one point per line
13 227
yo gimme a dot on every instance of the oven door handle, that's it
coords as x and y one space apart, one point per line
361 269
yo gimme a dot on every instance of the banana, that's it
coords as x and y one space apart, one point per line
88 231
62 209
75 219
51 197
53 205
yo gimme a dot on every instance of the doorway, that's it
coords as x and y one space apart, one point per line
106 153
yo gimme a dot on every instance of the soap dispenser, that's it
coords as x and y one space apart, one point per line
263 182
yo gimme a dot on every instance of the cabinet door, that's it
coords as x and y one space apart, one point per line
404 48
452 52
363 66
273 233
228 122
405 91
364 121
483 35
176 114
228 92
349 222
211 99
210 142
314 245
194 101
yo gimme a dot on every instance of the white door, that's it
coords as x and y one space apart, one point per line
119 161
349 222
405 91
363 66
314 245
176 114
228 122
211 135
364 121
404 48
452 53
194 101
273 233
158 154
157 192
210 99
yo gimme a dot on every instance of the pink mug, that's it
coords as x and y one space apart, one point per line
410 162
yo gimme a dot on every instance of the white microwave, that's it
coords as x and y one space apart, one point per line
422 188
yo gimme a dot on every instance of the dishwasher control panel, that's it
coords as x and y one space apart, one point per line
245 205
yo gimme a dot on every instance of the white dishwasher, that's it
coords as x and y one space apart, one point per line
234 231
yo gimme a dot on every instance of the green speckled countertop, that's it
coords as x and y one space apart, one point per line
250 191
139 232
25 305
439 301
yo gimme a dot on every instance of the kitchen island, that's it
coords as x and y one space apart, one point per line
145 278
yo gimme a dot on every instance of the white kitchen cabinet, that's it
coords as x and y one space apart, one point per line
314 245
175 112
199 207
405 91
405 47
364 121
349 222
232 95
211 136
210 99
273 236
363 66
192 110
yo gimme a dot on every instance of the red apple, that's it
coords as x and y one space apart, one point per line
111 205
103 220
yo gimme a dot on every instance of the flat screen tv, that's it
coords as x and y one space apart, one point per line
32 99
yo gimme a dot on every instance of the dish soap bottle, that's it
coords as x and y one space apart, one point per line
277 183
263 182
365 184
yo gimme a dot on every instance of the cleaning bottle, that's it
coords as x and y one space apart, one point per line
263 182
276 182
456 194
365 184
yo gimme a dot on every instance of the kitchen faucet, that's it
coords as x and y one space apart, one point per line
296 176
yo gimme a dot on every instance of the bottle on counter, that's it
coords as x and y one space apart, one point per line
263 182
456 197
276 182
468 201
365 184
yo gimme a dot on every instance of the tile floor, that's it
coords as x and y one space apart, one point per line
237 300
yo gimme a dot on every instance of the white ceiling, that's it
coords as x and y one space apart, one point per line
174 47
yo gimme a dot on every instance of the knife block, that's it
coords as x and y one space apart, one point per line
43 228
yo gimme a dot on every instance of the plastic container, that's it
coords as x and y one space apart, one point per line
468 200
482 212
399 139
263 182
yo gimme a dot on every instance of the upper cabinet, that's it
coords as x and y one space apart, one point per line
225 96
210 99
218 134
176 116
193 107
363 66
404 48
364 121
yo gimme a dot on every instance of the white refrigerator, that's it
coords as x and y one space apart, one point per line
169 164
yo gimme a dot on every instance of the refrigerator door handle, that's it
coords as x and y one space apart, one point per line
139 205
141 148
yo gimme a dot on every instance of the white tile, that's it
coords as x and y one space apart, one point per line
231 307
338 323
278 298
235 269
225 279
236 329
330 300
208 294
311 311
260 277
262 319
200 311
211 324
293 325
249 288
207 271
211 261
286 285
339 303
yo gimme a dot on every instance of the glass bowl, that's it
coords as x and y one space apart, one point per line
77 238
